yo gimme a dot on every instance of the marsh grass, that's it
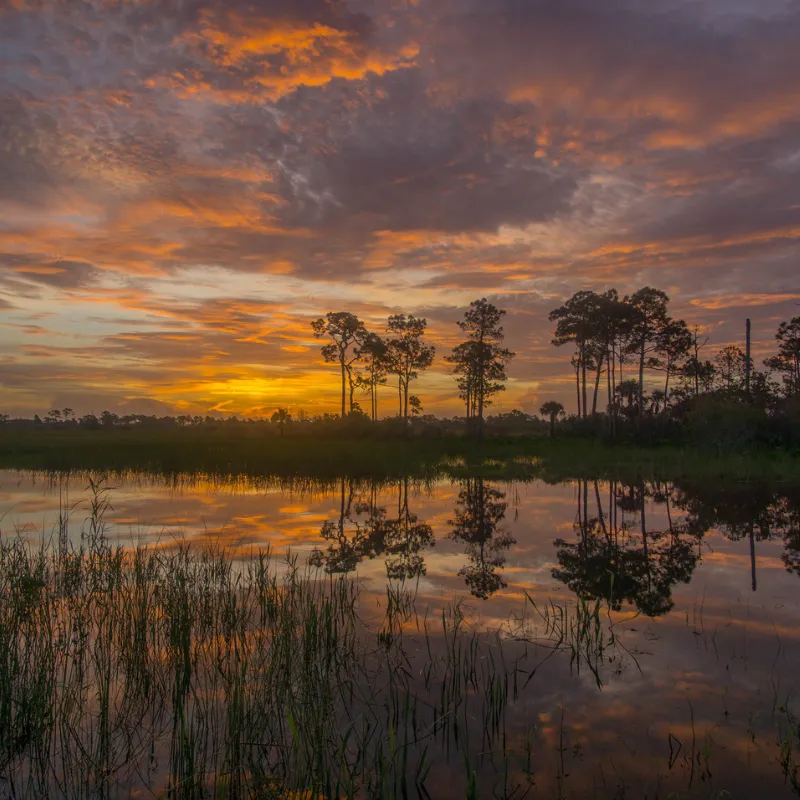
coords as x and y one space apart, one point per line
583 629
188 673
195 674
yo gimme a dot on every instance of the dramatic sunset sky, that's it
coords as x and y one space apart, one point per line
186 184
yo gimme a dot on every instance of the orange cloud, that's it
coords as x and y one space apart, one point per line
743 300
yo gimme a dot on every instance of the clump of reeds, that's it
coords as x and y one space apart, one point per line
197 674
583 629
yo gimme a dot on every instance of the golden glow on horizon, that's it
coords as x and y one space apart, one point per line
171 228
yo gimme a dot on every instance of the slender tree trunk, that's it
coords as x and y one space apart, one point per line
578 386
341 516
344 379
795 385
480 408
597 384
586 502
600 514
641 377
583 375
644 527
666 384
481 390
405 396
612 390
609 407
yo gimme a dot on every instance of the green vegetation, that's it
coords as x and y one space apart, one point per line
262 451
608 332
192 675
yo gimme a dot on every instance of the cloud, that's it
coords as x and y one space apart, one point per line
184 185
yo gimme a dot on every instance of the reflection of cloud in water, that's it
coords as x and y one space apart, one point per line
707 671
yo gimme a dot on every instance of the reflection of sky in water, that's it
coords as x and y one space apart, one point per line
711 671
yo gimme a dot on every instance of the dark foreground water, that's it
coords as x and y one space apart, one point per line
588 639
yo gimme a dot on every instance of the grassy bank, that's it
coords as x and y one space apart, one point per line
251 452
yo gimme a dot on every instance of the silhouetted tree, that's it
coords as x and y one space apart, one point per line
577 322
552 410
698 374
628 397
657 400
649 321
672 346
281 417
408 354
480 362
375 355
787 361
347 333
731 369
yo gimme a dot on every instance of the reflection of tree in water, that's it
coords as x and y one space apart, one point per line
478 513
406 539
788 522
753 511
613 562
364 530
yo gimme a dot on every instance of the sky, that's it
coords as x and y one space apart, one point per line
186 184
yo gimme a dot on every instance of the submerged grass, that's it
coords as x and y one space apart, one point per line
582 629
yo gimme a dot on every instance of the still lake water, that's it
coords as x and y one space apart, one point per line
702 584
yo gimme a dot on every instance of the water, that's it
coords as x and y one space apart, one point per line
698 583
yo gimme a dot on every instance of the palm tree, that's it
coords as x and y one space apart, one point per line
658 399
552 410
281 417
628 393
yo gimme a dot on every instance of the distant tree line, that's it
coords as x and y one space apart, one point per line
639 373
